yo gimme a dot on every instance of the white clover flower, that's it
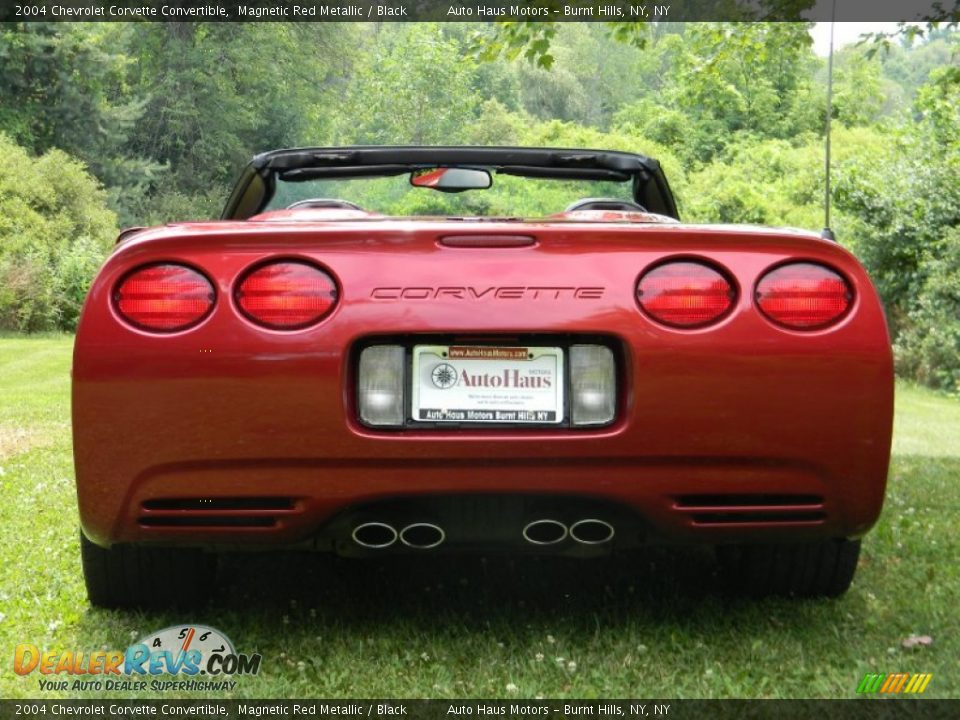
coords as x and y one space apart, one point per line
424 656
572 666
511 688
539 657
551 639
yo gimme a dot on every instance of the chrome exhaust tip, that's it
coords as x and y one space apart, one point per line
591 531
374 535
545 532
422 536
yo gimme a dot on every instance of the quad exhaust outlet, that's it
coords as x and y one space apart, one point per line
591 531
374 535
380 535
422 536
545 531
426 536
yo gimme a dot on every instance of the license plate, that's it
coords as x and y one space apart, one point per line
484 384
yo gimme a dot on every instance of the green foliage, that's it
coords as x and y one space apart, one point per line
530 40
720 84
215 94
161 109
776 182
412 86
928 349
173 205
860 95
62 86
909 64
54 233
906 196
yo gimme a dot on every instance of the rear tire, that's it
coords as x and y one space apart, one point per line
807 570
137 576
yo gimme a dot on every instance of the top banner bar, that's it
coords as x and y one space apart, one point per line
910 11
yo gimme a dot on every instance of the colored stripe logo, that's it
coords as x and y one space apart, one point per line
894 683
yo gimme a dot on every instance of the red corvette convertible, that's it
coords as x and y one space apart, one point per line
386 350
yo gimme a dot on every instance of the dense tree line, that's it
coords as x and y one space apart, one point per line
162 116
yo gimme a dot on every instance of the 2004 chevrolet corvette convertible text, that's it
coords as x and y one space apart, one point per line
419 369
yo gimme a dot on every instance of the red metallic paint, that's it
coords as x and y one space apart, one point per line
228 408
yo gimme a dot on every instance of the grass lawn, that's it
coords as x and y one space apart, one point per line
474 628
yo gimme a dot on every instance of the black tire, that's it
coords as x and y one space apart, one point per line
806 570
137 576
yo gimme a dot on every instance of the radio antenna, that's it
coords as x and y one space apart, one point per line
827 233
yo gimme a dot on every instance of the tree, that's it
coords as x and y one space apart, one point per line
726 80
62 86
413 85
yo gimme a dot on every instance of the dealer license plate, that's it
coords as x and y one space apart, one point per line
485 384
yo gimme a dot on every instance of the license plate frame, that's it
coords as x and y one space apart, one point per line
458 384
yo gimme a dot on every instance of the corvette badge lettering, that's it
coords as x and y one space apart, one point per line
469 292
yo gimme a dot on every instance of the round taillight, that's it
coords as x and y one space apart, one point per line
286 295
164 297
685 294
803 296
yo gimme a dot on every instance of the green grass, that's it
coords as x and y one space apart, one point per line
472 628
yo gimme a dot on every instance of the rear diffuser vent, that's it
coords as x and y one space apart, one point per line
216 512
752 509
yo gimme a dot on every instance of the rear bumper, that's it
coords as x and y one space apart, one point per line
273 503
796 448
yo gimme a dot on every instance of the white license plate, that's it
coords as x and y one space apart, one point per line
484 384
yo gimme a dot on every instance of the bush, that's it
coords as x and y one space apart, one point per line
55 230
928 349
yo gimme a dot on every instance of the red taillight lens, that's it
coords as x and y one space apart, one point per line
164 298
685 294
803 296
286 295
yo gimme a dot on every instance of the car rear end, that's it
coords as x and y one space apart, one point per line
333 386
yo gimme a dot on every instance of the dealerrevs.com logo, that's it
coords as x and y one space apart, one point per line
186 657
